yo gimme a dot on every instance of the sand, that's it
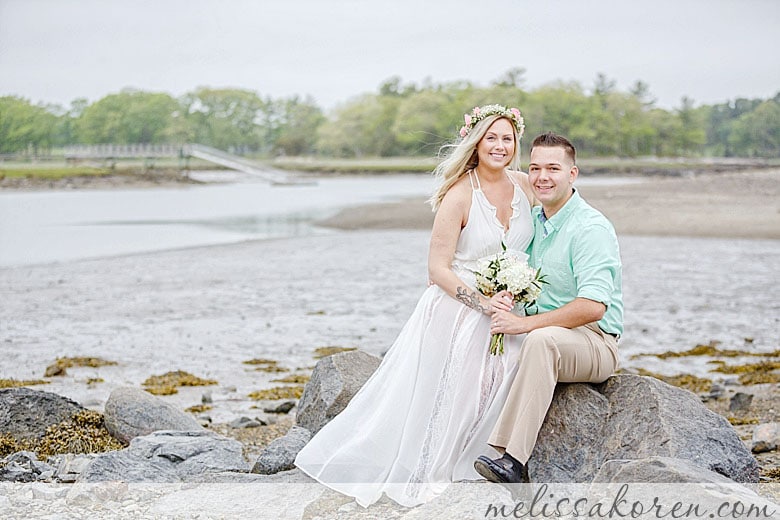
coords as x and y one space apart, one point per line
739 205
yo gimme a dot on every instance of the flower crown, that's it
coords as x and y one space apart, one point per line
480 113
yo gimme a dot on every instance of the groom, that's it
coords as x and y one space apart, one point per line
573 329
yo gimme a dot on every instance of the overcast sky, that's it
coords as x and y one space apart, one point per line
54 51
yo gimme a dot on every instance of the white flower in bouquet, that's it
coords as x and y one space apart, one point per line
508 271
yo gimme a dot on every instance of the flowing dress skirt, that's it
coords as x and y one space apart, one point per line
424 415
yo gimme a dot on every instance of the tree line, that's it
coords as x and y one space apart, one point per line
399 119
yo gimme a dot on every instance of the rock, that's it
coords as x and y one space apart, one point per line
657 470
334 381
132 412
766 437
633 417
740 402
24 466
55 370
280 454
168 456
207 398
670 479
69 467
246 422
285 407
26 413
716 391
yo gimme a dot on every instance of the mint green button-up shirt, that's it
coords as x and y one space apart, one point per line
577 250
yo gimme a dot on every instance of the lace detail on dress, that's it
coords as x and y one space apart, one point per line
492 378
441 409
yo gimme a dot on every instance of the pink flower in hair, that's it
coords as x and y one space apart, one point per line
476 111
516 112
467 118
464 132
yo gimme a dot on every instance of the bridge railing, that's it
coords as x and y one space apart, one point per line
120 151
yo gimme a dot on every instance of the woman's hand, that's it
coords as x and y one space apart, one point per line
502 301
507 323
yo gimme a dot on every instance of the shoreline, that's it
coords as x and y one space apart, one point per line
716 205
165 178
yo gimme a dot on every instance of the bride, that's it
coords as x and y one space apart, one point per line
425 414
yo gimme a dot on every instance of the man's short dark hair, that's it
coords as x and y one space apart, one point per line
551 140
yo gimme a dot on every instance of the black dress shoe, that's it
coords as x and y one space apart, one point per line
506 470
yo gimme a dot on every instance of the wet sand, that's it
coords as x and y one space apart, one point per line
726 205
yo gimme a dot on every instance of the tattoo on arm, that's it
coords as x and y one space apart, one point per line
470 299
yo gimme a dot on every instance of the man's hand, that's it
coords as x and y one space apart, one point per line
508 323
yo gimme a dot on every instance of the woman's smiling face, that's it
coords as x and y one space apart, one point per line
496 148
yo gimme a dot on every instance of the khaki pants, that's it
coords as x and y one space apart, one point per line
581 355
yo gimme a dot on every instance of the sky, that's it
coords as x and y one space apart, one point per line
712 51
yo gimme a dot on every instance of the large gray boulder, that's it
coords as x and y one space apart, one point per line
168 456
280 454
633 417
334 381
26 413
131 412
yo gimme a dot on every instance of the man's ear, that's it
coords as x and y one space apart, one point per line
573 173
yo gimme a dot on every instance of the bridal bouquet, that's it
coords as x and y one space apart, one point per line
508 271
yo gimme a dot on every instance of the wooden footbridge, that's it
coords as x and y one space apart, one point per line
150 152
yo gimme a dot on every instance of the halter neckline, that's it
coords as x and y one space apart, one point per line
479 186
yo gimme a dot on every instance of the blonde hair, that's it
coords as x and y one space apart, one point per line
462 157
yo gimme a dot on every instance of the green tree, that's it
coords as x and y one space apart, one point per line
360 127
757 133
295 126
719 123
228 119
565 109
128 117
692 135
25 127
425 121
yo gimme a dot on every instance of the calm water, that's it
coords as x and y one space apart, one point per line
52 226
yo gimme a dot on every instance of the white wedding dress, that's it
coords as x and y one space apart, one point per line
426 413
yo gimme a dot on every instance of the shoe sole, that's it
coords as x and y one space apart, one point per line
484 470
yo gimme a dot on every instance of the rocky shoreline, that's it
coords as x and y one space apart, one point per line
256 316
638 429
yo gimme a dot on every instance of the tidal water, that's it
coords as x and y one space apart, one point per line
51 226
54 226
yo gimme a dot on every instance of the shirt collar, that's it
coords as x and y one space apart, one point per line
557 220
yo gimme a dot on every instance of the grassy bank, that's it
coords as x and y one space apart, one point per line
52 173
60 169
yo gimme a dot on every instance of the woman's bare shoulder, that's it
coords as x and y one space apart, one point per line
460 192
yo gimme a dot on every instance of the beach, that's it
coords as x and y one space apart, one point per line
701 256
742 204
